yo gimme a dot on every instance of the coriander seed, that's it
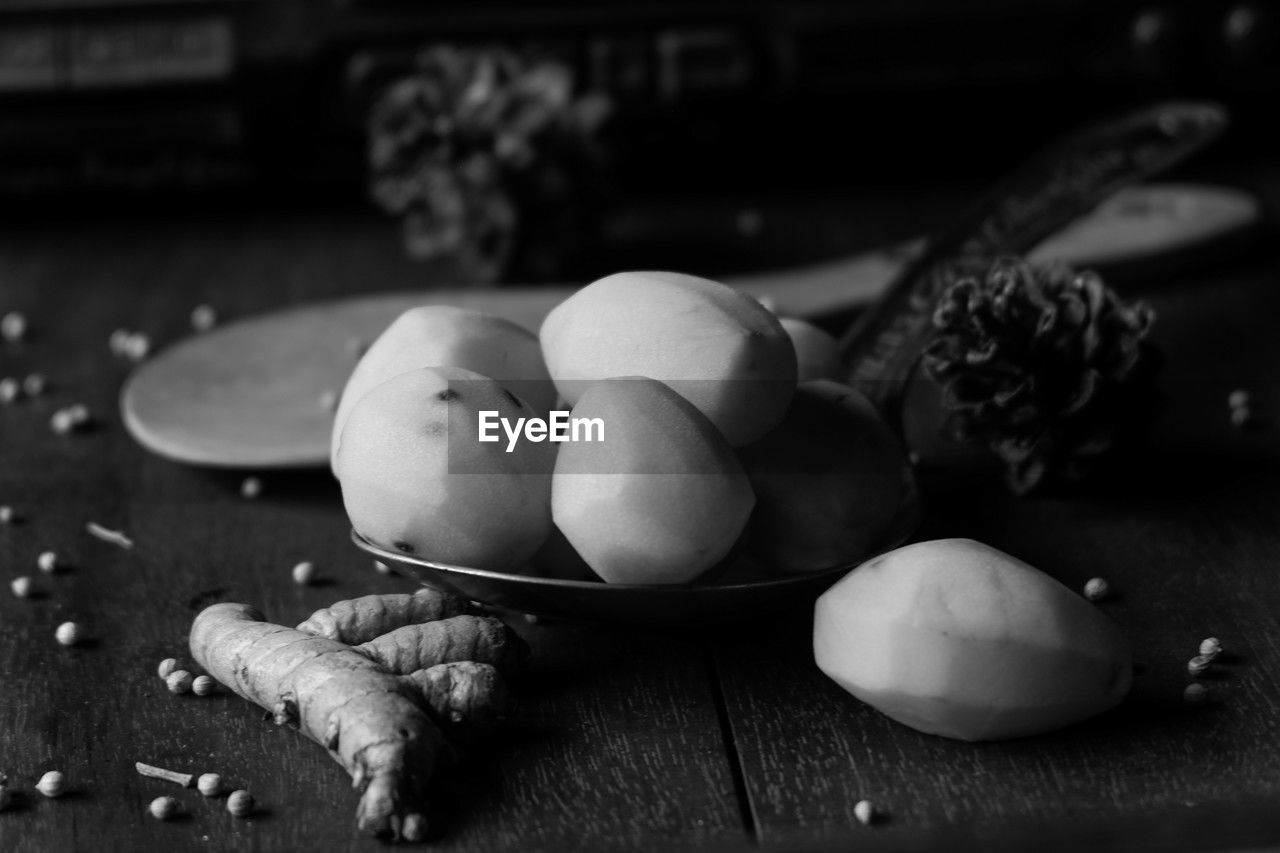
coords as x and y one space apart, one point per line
137 346
21 587
10 390
178 681
68 634
240 803
250 488
163 808
304 573
1097 589
203 318
13 326
1195 694
865 812
52 784
1199 665
209 784
1211 646
167 667
47 562
203 685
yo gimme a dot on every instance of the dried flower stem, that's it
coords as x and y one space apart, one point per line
106 534
186 780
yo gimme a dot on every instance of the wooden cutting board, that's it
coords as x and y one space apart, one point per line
251 394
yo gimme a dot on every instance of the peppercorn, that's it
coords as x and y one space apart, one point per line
1096 589
167 667
163 808
52 784
203 685
240 803
21 586
178 681
209 784
68 634
304 573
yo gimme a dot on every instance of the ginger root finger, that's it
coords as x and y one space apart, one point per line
359 620
483 639
465 697
372 722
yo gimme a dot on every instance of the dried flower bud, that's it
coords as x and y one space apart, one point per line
47 562
304 573
178 681
865 812
1211 646
240 803
163 808
68 634
209 784
203 685
203 318
52 784
167 667
1199 665
1097 589
250 488
13 327
21 586
1196 694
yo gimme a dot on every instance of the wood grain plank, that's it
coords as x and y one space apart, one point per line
1185 535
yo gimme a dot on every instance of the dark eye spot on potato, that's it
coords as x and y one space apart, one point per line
447 394
403 546
513 398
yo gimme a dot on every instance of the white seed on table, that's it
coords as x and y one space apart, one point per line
137 346
52 784
6 514
47 562
865 812
1238 398
167 667
1199 665
163 808
9 389
203 318
240 803
62 421
209 784
21 586
68 634
250 488
203 685
118 340
13 326
179 681
34 385
304 573
1096 589
1241 417
1211 646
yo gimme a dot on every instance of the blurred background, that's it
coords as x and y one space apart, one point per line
553 139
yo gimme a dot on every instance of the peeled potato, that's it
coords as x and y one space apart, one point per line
661 499
955 638
415 477
444 336
718 348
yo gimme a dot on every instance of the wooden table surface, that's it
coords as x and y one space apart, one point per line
627 738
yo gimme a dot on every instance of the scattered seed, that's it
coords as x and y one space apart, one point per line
163 808
865 812
118 341
10 390
1199 665
137 346
1241 417
7 515
52 784
47 562
304 573
61 422
209 784
203 318
21 586
203 685
106 534
167 667
68 634
183 779
1238 399
178 681
1195 694
79 413
240 803
13 326
1097 589
250 488
1211 646
35 384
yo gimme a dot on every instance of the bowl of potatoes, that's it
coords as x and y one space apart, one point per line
664 449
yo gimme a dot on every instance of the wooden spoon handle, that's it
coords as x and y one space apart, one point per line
1054 188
